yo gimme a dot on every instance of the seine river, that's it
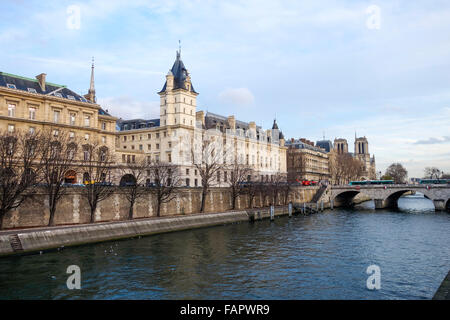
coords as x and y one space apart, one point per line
322 256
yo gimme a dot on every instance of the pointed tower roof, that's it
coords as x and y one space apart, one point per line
275 125
180 74
91 92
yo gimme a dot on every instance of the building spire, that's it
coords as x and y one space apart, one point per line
179 50
91 92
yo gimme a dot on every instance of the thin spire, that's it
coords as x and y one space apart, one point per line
92 85
179 50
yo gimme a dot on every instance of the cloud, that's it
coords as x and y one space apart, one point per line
129 108
239 96
433 140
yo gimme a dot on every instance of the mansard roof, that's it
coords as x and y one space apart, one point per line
32 86
180 73
212 119
325 144
135 124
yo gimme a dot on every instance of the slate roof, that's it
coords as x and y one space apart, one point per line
135 124
212 119
297 144
24 84
325 144
180 73
275 125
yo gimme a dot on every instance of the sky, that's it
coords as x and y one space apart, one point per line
322 68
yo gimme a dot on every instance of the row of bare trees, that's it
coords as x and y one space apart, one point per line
43 159
212 158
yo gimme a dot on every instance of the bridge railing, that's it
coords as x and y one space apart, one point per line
381 186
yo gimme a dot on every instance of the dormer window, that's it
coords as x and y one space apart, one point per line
31 90
71 97
59 95
11 86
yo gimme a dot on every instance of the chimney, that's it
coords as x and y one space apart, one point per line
200 116
231 122
41 79
252 125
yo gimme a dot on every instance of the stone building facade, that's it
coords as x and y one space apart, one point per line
30 105
179 132
305 161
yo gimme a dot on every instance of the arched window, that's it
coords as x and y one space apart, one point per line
127 180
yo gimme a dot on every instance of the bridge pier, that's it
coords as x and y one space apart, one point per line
385 203
439 204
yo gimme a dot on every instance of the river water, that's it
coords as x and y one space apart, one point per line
321 256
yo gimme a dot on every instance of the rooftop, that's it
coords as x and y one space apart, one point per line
29 85
180 74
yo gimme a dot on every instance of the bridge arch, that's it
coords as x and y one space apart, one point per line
345 198
391 201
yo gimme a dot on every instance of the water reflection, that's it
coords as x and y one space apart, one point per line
322 256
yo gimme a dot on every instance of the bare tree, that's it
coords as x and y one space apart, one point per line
397 172
97 166
275 187
433 172
251 189
133 181
240 177
18 168
57 157
344 168
264 191
165 177
208 159
285 189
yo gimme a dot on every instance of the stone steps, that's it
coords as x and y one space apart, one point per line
15 242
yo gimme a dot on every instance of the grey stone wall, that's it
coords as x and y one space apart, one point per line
74 209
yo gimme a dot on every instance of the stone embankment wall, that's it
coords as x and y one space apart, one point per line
22 241
73 209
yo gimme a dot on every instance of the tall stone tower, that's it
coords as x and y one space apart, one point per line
361 146
340 146
178 99
362 153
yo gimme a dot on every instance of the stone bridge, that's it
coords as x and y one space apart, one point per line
386 196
